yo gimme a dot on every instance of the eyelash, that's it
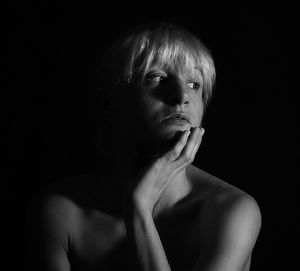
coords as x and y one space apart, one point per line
196 85
150 78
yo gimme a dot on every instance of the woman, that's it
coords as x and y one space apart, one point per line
148 207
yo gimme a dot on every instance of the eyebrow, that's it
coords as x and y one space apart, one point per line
193 74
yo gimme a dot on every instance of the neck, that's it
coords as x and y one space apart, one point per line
125 166
177 189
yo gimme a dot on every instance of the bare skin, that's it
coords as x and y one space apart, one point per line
162 214
88 234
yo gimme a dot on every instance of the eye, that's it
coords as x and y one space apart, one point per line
194 85
155 78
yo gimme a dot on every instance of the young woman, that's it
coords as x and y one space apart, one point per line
148 207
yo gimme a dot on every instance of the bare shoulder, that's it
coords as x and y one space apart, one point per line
60 204
53 209
225 205
230 219
228 211
236 212
52 215
220 196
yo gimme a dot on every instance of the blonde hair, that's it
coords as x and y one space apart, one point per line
165 44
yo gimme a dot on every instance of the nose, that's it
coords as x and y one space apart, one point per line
177 94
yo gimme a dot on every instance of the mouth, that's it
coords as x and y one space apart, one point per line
177 118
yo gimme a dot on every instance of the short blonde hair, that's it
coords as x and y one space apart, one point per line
133 54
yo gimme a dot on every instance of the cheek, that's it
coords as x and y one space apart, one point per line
148 107
198 113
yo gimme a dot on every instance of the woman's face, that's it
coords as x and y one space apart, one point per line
166 100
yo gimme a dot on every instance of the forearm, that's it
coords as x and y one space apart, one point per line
145 247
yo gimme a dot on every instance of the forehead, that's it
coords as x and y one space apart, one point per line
173 55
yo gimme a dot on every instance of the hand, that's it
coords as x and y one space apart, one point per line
148 186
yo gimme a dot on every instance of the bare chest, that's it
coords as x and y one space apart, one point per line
101 243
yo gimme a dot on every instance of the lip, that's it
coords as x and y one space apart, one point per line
176 122
177 118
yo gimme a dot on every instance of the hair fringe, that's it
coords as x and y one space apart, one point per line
163 44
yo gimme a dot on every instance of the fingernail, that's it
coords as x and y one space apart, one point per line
202 131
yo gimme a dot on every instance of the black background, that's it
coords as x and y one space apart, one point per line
48 66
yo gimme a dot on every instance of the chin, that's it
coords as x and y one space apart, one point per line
169 134
170 130
161 138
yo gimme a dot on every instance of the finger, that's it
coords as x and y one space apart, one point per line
199 140
185 159
187 151
177 149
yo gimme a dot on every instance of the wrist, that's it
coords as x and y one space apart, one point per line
134 208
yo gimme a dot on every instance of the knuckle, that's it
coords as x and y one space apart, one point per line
186 157
174 154
189 161
166 158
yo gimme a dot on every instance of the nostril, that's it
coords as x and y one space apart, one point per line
176 93
178 99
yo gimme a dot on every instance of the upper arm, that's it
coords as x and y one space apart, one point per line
230 232
48 234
